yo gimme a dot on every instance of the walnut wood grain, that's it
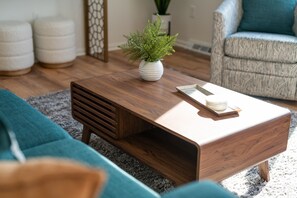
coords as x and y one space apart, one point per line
187 141
102 115
165 153
86 134
264 170
244 149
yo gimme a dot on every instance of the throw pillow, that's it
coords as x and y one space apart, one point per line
271 16
49 178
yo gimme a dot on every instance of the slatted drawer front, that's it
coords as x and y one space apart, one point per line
94 111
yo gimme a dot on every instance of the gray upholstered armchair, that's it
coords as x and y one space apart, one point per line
260 64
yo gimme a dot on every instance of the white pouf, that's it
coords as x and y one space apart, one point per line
60 56
53 26
54 42
16 48
11 31
16 63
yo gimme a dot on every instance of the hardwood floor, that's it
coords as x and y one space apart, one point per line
42 81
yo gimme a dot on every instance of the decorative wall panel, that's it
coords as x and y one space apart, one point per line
96 29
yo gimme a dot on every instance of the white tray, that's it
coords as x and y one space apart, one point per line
198 94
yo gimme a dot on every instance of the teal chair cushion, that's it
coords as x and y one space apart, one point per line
203 189
271 16
119 182
31 128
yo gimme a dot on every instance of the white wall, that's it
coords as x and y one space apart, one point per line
124 16
74 9
26 9
192 19
193 25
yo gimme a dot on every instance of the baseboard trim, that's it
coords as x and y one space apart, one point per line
114 46
179 43
189 44
80 52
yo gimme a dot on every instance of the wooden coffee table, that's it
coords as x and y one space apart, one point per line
174 135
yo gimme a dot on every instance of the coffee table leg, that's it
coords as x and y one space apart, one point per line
86 134
264 170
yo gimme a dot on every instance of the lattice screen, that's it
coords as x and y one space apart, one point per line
96 29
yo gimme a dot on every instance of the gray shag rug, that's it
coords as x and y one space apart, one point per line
283 167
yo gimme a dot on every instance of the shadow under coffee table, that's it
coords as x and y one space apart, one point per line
174 135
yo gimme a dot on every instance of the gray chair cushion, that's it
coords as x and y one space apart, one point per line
261 67
262 46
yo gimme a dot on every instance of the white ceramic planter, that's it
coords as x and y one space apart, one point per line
166 22
151 71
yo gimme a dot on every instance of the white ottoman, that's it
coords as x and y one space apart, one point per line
16 48
54 42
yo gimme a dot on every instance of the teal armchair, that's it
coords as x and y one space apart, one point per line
32 135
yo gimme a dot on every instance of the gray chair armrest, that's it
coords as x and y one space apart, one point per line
226 19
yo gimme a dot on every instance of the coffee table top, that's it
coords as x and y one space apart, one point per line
162 105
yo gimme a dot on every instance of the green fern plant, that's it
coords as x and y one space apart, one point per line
150 45
162 6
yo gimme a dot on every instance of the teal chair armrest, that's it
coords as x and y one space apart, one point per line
8 140
201 189
4 136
